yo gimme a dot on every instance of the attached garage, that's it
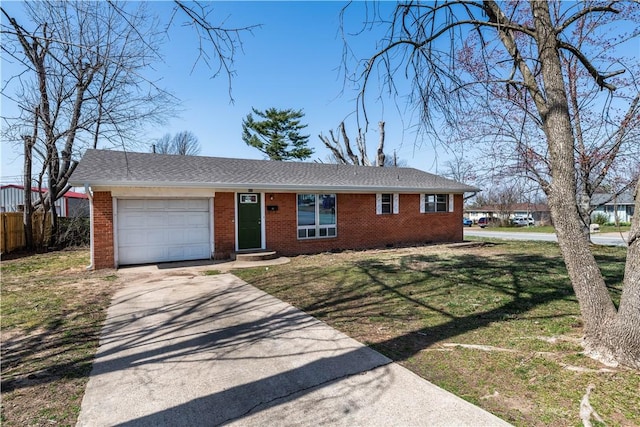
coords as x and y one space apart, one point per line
163 230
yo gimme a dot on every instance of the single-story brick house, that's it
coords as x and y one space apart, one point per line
148 208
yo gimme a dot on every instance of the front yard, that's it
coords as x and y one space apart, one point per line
496 324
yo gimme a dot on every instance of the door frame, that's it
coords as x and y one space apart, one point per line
263 237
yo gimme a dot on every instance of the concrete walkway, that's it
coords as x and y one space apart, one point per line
182 349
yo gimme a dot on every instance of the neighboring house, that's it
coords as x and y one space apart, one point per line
617 209
72 204
150 208
538 211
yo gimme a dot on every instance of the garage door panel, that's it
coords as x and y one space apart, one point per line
195 236
161 230
131 238
131 204
196 252
177 237
130 221
153 220
198 205
192 219
156 237
176 252
179 220
155 204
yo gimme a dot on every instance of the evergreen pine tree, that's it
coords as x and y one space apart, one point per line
278 134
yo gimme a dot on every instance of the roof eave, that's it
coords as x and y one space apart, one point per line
274 187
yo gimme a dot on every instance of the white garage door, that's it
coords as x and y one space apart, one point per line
152 230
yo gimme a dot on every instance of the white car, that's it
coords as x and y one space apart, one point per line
522 221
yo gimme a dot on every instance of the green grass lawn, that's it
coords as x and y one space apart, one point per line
52 310
550 229
497 325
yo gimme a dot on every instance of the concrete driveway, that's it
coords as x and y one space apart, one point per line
182 349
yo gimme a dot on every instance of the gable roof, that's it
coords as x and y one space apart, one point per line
118 169
599 199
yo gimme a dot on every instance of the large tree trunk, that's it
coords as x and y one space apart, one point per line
609 336
626 329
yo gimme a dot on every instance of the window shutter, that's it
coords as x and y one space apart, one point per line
422 203
379 204
396 203
450 202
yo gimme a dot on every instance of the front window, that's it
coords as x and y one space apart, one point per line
316 216
436 202
387 203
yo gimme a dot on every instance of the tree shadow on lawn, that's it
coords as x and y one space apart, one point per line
612 269
459 294
50 352
504 287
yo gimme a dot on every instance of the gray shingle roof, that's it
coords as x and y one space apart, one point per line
117 169
599 199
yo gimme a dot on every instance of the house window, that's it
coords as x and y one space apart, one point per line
316 216
436 203
386 203
248 198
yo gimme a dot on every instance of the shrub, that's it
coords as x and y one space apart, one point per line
73 232
600 219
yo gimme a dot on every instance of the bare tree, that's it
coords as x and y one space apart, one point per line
346 155
460 169
460 54
83 83
184 143
162 145
218 44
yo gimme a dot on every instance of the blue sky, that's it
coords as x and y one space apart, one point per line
292 61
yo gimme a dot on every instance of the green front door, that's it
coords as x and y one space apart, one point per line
249 224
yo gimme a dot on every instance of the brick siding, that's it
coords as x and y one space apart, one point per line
103 230
358 225
224 226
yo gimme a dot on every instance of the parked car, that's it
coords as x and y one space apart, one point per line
466 222
522 221
489 221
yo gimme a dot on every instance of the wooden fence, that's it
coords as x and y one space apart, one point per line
12 230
